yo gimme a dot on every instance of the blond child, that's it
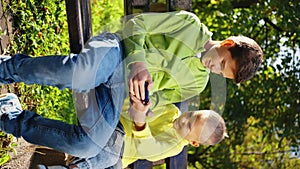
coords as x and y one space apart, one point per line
167 131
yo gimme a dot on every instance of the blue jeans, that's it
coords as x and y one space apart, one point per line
96 76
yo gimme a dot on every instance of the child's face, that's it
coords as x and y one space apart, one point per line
218 59
188 124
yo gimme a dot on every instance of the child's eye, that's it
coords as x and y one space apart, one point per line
223 65
189 126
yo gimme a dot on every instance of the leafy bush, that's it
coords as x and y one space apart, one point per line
106 15
7 145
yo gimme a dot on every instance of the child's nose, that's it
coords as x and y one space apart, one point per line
216 68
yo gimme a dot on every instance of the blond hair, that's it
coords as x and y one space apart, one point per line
214 129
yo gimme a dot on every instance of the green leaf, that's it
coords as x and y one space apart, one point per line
4 159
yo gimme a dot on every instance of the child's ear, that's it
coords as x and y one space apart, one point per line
194 143
228 43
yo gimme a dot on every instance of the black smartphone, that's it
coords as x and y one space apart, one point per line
146 100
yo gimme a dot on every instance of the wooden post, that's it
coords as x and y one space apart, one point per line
79 23
86 19
179 161
128 7
173 5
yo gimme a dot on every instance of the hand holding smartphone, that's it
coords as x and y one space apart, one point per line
146 100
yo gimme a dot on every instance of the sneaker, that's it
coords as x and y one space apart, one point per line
41 166
10 105
4 58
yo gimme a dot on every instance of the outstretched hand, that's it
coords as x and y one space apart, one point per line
137 78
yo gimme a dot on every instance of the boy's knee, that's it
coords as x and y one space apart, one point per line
84 148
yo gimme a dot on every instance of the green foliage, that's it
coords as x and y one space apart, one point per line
262 115
106 15
161 166
41 27
48 101
7 145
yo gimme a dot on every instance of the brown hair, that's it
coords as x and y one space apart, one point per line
248 56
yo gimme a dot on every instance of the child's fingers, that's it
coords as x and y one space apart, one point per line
149 113
134 98
136 89
130 84
150 84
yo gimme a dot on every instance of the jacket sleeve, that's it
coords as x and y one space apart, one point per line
158 147
159 139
